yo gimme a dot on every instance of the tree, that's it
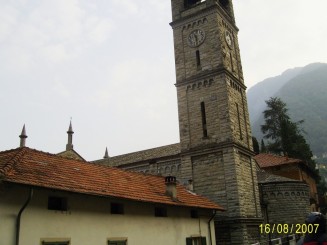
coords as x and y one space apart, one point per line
255 144
283 134
274 115
263 147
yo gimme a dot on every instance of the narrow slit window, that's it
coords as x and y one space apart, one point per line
198 60
231 61
239 122
204 120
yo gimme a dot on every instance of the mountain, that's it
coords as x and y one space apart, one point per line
304 90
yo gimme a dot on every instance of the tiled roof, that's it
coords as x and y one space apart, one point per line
37 168
72 154
266 160
265 177
159 152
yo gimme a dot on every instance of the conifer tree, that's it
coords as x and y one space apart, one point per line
255 144
282 134
263 147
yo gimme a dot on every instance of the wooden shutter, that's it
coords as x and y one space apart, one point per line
203 241
188 240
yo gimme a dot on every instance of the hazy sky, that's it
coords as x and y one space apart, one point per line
109 65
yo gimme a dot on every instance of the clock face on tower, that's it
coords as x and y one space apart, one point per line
228 38
196 38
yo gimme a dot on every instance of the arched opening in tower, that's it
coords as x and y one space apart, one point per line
188 3
224 3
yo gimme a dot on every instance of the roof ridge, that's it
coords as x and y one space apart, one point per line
134 152
10 164
53 154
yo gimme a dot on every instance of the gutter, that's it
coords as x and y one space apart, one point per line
20 214
209 226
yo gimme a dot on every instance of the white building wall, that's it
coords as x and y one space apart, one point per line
89 221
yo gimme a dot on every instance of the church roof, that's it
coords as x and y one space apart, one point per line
266 160
154 153
36 168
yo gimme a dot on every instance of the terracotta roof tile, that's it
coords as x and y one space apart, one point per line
36 168
266 160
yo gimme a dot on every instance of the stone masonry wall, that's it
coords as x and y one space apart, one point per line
286 203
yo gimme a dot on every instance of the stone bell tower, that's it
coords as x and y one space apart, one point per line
215 136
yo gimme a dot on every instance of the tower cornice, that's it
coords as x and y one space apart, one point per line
217 147
201 14
209 74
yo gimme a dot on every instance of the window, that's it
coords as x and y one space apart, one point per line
57 203
239 122
196 241
188 3
194 214
224 3
117 208
55 243
121 242
160 212
204 120
198 60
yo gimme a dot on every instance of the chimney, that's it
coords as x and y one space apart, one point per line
171 190
23 137
189 185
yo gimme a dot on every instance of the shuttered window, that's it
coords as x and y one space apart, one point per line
196 241
55 243
117 242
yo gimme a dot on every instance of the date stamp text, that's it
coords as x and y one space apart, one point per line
288 228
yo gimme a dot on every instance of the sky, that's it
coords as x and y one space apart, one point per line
108 65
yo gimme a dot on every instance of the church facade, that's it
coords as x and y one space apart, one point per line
214 156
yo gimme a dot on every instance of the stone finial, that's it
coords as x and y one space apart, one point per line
106 155
171 190
70 132
23 137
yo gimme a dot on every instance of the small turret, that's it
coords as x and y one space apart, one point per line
106 155
70 133
23 137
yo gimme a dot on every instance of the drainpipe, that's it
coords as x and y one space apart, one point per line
209 226
20 214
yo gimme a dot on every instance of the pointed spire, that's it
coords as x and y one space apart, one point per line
106 155
69 145
23 137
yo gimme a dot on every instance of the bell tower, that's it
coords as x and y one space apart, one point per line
215 135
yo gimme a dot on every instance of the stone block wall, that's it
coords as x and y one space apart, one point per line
285 203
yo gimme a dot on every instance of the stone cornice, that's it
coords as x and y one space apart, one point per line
201 14
216 147
209 74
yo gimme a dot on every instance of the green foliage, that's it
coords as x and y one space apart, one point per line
274 115
283 134
293 142
263 147
255 144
